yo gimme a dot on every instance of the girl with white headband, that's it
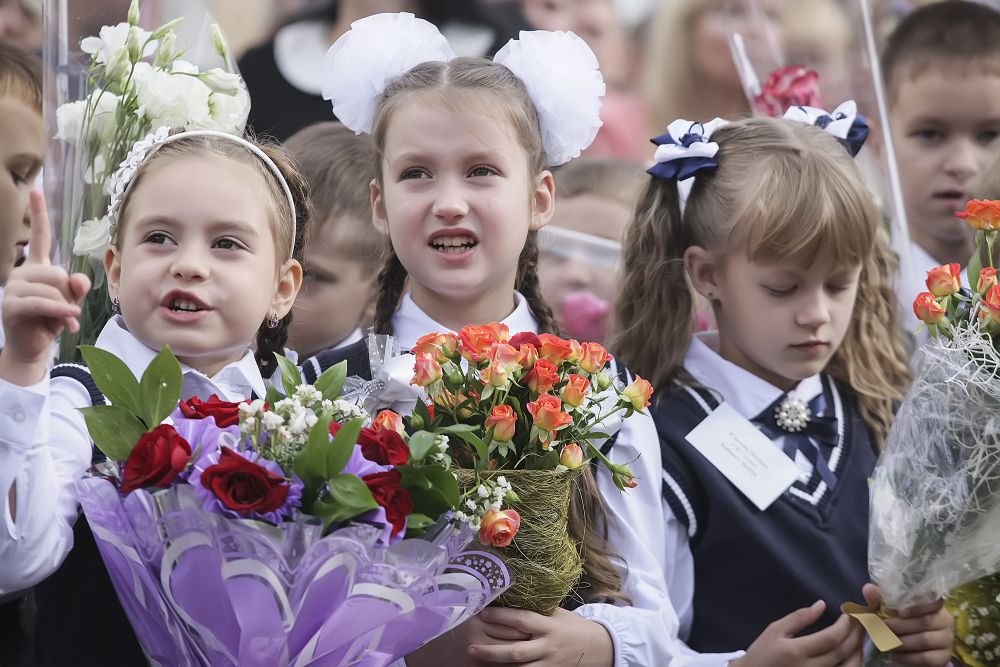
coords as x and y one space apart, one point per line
462 187
207 229
771 425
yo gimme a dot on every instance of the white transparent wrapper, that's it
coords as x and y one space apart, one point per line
935 495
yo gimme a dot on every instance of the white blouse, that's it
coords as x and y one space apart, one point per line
45 448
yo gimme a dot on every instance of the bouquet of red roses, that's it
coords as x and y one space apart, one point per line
521 416
271 532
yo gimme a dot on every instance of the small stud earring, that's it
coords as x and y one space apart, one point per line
115 308
273 322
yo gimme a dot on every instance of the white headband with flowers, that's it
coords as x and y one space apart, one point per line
120 183
558 69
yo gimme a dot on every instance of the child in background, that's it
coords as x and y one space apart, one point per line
22 146
204 257
942 77
462 187
782 236
578 271
342 255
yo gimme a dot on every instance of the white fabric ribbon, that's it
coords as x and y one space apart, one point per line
842 117
679 128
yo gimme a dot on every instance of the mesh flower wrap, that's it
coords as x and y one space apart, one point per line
935 506
203 589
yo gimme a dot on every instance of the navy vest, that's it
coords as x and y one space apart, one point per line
751 567
80 621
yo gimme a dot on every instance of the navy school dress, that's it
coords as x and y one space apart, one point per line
752 567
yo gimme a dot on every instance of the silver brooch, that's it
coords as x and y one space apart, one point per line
792 414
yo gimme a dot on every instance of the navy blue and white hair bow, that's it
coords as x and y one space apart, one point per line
685 149
845 123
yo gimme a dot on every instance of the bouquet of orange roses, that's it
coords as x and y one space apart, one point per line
935 512
520 417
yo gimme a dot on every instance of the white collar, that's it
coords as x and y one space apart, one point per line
235 382
748 394
410 322
299 49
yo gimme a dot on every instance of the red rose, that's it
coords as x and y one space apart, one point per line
224 412
387 492
525 338
156 459
791 86
244 486
384 447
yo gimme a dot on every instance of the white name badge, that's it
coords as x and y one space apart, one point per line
747 458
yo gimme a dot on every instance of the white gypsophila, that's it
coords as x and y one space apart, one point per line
471 504
441 443
284 405
254 407
297 422
483 491
247 423
308 394
496 505
271 421
326 405
92 238
111 40
175 98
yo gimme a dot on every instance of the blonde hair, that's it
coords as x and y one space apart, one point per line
269 340
605 177
782 190
671 74
452 84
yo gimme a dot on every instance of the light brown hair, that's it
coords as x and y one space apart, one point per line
608 178
269 340
783 189
20 76
451 83
339 167
956 34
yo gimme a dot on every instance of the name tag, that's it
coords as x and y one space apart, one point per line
744 455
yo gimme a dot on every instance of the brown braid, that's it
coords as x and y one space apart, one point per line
391 283
527 284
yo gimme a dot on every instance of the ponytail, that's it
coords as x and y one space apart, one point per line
654 309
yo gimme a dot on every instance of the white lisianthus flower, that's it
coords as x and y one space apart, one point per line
221 81
174 98
112 39
69 120
104 122
92 238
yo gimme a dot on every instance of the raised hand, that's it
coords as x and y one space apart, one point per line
40 300
778 646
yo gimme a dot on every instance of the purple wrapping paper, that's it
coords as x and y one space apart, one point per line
203 589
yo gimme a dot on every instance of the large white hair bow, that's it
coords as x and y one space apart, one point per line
558 70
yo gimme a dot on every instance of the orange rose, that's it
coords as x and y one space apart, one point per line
498 528
475 342
426 370
575 351
554 348
944 280
442 345
927 309
496 375
594 357
387 419
527 356
542 377
987 279
571 456
469 409
638 393
575 390
548 414
991 305
503 421
982 214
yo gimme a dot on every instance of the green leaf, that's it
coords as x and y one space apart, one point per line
975 262
113 429
310 464
350 497
113 378
272 396
433 489
338 452
331 381
459 428
160 387
417 524
420 410
290 376
487 392
421 443
476 443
